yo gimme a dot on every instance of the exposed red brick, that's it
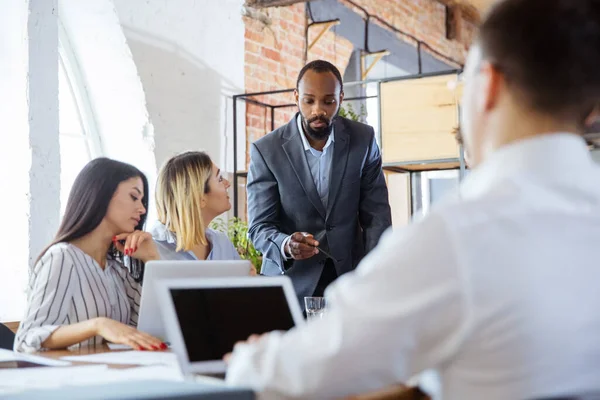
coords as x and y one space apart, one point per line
271 54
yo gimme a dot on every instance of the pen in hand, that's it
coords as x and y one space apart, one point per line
313 246
324 252
321 250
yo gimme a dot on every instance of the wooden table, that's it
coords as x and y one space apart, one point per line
396 392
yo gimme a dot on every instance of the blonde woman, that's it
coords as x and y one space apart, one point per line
190 193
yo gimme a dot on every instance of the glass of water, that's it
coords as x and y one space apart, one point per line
315 307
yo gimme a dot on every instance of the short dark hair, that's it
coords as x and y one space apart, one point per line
320 66
548 51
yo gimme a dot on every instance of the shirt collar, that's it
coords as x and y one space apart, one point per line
162 234
550 157
305 143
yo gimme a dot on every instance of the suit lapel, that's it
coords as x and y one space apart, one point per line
338 163
295 152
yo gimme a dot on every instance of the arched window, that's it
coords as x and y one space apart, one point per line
78 135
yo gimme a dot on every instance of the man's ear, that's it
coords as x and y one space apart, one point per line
493 82
296 96
341 97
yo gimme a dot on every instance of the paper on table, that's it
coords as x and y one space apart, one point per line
27 378
7 355
116 346
153 372
86 375
128 358
32 378
209 380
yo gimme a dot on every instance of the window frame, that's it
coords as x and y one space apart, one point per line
76 83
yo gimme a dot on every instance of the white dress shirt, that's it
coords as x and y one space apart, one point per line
319 163
497 290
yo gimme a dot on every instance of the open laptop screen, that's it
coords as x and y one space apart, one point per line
212 320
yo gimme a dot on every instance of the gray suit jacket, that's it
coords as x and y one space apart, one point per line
283 199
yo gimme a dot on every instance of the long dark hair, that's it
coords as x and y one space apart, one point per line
88 202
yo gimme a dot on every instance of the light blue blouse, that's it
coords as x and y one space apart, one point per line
166 242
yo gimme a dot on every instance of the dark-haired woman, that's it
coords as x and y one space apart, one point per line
80 291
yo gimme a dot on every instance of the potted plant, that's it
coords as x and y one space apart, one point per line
347 111
237 231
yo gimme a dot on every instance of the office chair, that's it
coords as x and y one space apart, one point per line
7 337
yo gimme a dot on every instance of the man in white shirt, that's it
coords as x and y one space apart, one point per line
498 291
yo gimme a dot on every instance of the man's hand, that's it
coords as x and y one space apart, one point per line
251 339
301 246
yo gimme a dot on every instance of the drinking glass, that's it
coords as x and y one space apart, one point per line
315 307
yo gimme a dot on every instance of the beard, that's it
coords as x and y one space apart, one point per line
321 133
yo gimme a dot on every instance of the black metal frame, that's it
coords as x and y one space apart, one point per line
397 167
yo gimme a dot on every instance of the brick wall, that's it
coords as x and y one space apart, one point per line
423 19
274 54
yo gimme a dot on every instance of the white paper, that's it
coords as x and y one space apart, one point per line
19 380
7 355
209 380
145 373
128 358
16 379
116 346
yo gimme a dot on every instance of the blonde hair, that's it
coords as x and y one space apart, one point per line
181 186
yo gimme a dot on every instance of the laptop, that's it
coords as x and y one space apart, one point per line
150 319
206 317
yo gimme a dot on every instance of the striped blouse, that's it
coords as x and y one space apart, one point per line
68 286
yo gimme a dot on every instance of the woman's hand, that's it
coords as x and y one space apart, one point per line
138 244
116 332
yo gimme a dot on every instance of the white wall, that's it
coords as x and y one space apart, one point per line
190 57
44 174
111 82
111 78
30 167
15 159
153 71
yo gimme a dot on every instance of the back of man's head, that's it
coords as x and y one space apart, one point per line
548 52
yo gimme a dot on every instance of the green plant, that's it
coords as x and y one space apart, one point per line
237 231
348 112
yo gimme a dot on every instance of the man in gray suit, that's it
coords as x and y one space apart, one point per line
316 181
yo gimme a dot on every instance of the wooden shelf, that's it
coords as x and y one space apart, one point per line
418 117
425 165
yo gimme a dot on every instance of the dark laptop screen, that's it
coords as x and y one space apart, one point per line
212 320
